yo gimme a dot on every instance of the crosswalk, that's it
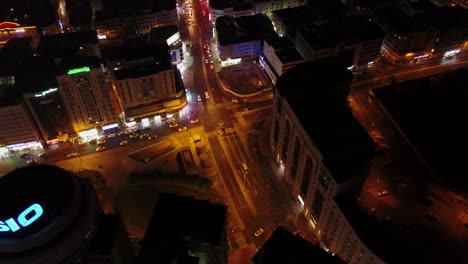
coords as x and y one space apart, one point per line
227 131
240 240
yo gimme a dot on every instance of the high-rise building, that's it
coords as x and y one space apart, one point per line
284 246
322 151
50 216
83 80
185 230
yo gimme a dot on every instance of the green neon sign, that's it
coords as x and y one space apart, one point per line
78 70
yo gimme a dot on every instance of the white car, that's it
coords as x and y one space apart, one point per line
111 136
259 232
100 148
73 154
206 61
199 98
123 143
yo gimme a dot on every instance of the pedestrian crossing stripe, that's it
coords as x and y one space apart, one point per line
240 240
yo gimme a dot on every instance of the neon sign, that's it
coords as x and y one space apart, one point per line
24 219
78 70
51 90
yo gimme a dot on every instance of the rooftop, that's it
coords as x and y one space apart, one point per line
342 31
179 221
345 145
155 5
243 29
286 247
139 71
57 45
224 4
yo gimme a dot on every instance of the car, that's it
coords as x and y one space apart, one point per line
73 154
144 135
25 156
182 128
134 135
100 148
111 136
123 143
432 217
199 98
383 193
81 142
195 120
206 61
211 66
372 211
31 162
211 61
207 96
245 167
101 141
259 232
173 124
235 101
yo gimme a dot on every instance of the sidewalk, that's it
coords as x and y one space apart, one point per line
299 222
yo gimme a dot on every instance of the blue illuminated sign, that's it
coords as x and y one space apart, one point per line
24 219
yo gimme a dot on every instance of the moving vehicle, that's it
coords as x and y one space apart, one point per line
73 154
100 148
182 128
199 98
207 96
259 232
383 193
193 121
173 124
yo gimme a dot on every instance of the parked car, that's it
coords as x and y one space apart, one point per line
123 143
195 120
182 128
173 124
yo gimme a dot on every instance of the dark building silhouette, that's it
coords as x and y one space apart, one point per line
185 230
286 247
51 216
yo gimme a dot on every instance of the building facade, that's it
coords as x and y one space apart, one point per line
268 6
423 33
355 38
279 56
88 97
303 162
145 91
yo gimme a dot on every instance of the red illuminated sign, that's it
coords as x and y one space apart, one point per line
7 24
